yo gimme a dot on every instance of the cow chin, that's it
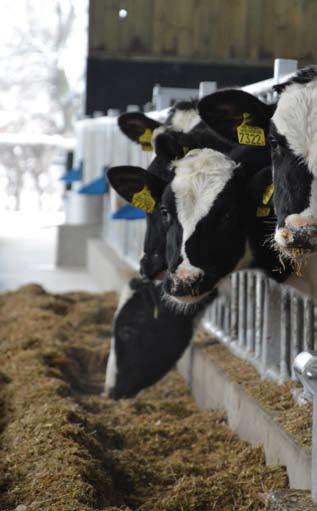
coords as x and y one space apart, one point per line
186 303
160 276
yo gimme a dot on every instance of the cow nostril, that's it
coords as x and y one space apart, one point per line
285 234
184 273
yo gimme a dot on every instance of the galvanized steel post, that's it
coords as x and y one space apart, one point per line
272 326
305 368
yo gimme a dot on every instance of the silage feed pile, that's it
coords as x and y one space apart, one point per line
64 447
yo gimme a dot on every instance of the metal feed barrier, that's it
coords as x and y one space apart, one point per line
266 323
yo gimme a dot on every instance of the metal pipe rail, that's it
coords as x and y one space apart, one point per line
265 323
305 368
125 237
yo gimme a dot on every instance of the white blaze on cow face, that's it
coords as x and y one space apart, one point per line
199 179
296 119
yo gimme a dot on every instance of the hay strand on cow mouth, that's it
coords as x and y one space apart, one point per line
297 257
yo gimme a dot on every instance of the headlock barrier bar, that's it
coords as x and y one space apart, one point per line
263 322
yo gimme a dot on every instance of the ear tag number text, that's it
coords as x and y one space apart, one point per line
250 135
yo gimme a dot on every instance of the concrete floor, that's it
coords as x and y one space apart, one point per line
27 254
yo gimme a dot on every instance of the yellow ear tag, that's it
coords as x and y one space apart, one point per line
143 200
265 210
185 150
250 135
145 140
155 312
267 195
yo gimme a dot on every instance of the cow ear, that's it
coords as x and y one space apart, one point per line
138 127
137 186
237 116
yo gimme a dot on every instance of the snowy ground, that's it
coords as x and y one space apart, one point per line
27 254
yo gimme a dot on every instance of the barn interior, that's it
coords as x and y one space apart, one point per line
112 397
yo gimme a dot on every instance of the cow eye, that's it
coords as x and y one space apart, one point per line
273 143
166 217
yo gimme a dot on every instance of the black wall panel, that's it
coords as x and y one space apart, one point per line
116 83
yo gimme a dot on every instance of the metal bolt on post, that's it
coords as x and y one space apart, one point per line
305 368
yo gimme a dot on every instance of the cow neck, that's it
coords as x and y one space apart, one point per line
253 159
261 226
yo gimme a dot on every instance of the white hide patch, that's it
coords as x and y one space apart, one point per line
199 178
182 120
111 371
296 119
310 213
185 120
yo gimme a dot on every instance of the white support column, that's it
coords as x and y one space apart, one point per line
206 88
305 368
284 67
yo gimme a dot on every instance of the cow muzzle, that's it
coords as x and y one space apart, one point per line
298 237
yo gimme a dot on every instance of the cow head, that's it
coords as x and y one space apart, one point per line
183 116
293 139
138 127
143 190
203 212
129 181
148 339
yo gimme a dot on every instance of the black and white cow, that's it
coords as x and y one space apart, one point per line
293 138
148 339
142 129
182 131
210 214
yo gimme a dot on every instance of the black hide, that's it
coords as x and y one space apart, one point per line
149 339
292 179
